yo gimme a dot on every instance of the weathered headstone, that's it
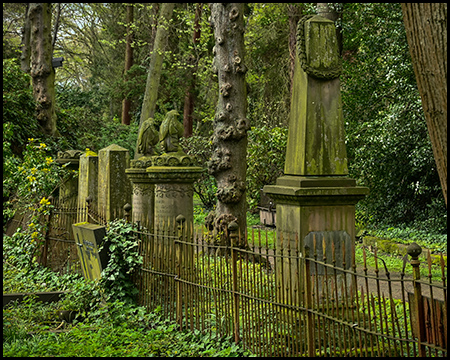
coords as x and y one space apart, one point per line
315 195
87 182
89 238
114 188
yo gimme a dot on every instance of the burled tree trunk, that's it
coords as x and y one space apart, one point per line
426 31
42 72
228 163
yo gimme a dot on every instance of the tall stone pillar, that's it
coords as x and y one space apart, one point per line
87 183
315 198
114 188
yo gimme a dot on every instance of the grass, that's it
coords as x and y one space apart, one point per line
116 329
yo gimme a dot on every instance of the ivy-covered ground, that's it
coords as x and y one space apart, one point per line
93 319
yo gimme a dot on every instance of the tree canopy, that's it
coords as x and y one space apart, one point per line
388 144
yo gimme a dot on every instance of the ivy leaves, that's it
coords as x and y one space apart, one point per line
123 261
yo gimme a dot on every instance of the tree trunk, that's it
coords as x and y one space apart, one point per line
126 103
426 31
25 55
228 163
42 72
189 97
295 11
154 73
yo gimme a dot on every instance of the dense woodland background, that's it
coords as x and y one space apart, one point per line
388 143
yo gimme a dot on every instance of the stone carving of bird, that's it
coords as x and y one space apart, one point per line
148 138
170 132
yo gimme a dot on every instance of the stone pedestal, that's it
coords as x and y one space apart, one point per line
174 191
114 188
143 192
174 196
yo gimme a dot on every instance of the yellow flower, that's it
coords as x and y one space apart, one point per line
33 170
30 139
45 170
31 225
48 160
42 145
34 235
44 201
31 178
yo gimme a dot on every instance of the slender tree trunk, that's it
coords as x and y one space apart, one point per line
294 13
189 97
42 72
426 31
228 163
154 74
126 103
25 55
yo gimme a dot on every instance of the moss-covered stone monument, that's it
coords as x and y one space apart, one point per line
315 198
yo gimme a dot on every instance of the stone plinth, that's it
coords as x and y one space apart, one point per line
143 192
174 190
114 188
87 182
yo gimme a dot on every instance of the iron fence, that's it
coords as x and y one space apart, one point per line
283 302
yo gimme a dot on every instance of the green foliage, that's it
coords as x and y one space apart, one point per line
387 139
265 158
27 184
18 106
205 187
123 260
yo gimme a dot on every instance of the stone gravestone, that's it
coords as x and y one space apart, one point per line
114 188
89 238
87 183
315 194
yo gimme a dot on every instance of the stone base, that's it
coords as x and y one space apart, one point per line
320 208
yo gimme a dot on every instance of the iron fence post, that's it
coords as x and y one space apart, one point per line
414 251
309 315
180 219
233 228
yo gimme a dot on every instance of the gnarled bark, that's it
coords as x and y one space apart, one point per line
229 163
42 72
